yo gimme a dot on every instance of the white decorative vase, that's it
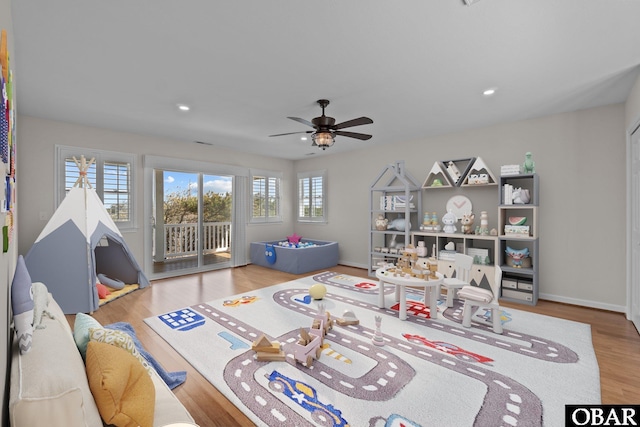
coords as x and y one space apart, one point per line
381 222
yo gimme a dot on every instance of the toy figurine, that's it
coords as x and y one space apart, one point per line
430 222
377 338
517 256
484 223
426 219
381 222
529 166
449 219
421 249
435 226
467 223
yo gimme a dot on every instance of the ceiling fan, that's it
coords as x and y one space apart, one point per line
326 128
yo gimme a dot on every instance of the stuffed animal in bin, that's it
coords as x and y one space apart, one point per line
397 224
40 304
521 196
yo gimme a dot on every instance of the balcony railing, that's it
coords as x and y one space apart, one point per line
181 240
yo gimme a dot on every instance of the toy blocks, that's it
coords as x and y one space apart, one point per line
348 318
267 350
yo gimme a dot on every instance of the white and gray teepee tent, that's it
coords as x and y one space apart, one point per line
80 241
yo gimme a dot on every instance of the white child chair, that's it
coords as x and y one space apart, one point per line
463 264
476 298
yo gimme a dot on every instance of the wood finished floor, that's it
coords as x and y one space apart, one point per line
615 339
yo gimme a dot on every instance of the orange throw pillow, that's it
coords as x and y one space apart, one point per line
122 388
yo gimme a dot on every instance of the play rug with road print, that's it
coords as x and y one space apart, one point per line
381 371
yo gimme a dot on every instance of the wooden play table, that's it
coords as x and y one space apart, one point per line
431 287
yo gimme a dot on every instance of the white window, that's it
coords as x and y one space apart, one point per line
312 197
265 196
111 174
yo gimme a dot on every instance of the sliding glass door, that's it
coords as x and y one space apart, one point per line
217 204
191 221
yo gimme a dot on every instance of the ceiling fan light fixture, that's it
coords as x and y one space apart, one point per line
326 129
323 139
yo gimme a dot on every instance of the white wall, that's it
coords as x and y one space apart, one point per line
632 106
580 157
632 120
36 153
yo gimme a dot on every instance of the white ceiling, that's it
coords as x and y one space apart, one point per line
416 67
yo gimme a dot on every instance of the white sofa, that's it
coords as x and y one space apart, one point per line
49 383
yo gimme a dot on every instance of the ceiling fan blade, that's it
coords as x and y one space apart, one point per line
355 122
292 133
362 136
303 121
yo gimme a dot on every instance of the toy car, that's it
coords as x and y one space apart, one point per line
306 396
239 301
448 348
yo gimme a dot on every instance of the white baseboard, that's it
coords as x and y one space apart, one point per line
585 303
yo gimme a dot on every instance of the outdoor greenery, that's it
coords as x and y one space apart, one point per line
264 206
119 212
181 207
266 198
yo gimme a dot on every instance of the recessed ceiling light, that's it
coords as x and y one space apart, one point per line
490 91
183 107
303 138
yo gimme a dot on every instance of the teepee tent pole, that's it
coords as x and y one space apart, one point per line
83 167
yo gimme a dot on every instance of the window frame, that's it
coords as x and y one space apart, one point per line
266 175
101 157
310 176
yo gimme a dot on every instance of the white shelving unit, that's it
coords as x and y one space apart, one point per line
397 185
474 173
519 283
